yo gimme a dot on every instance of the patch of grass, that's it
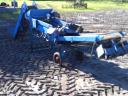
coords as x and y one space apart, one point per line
61 5
92 5
106 5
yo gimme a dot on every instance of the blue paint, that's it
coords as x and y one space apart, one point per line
56 30
22 11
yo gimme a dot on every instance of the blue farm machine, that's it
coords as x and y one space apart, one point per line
59 32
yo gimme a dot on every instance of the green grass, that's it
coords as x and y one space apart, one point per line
92 5
106 5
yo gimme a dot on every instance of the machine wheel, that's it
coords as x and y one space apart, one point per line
57 58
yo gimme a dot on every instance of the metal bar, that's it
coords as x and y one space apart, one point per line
18 24
38 13
83 38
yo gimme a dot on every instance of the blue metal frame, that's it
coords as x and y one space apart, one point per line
51 26
22 12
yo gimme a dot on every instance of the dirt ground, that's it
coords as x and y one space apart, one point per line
100 21
26 73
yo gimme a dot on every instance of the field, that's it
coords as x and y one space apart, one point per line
92 5
27 72
63 6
